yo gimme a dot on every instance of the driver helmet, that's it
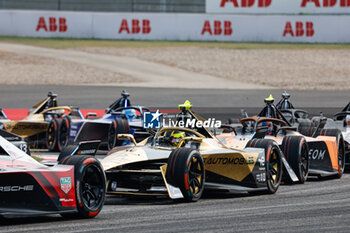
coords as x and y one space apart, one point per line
269 127
130 114
174 136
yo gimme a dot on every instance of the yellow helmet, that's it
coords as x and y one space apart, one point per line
174 136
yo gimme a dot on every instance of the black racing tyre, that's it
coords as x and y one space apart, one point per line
273 162
296 152
306 131
118 126
52 134
186 171
90 185
332 132
66 151
63 136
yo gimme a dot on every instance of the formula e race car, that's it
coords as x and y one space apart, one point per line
120 118
180 162
318 125
321 125
33 128
74 187
321 155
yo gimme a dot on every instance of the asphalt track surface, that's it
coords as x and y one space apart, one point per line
316 206
209 103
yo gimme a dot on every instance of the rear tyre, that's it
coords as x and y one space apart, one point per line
341 147
296 151
118 126
90 185
186 171
64 133
52 134
273 162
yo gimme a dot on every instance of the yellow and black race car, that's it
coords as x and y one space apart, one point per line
34 128
180 162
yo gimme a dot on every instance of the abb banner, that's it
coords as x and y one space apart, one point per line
199 27
278 6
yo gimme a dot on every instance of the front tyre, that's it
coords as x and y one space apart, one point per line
90 185
186 171
273 164
296 151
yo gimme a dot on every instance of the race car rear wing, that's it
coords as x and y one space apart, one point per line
86 148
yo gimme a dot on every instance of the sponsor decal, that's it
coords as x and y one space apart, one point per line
72 133
245 3
217 28
135 26
85 152
66 200
152 120
301 29
261 160
16 188
229 160
317 154
52 24
66 184
261 177
325 3
18 126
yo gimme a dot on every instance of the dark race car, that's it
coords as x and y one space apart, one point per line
120 118
74 187
318 125
321 154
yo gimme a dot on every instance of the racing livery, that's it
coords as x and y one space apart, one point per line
181 162
120 117
318 125
33 128
73 187
321 155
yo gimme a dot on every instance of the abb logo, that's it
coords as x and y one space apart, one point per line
136 27
218 28
301 29
54 24
246 3
326 3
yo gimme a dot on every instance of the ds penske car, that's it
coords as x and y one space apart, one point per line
74 187
181 162
33 128
120 118
322 155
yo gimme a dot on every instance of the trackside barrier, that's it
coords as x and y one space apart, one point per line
176 26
